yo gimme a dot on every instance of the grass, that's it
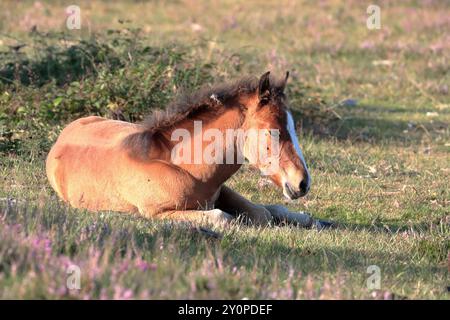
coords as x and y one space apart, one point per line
373 114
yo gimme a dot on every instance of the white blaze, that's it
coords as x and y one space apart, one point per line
294 139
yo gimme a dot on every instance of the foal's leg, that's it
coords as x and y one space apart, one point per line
232 202
215 217
282 215
168 192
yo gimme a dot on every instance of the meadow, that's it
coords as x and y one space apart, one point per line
372 110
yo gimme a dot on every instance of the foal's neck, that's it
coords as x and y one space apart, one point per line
217 173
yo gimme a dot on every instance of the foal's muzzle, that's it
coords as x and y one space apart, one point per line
300 191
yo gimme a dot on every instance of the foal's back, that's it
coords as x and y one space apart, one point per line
88 149
96 131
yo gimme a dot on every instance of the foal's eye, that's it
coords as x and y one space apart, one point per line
263 101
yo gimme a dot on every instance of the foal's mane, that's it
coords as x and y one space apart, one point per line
189 104
192 105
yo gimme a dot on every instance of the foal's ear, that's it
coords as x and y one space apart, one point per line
264 87
286 78
283 85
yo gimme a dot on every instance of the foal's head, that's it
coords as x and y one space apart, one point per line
267 112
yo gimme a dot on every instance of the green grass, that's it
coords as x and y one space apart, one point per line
380 168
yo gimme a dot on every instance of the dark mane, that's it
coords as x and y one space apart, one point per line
189 105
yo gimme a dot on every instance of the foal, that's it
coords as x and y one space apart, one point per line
102 164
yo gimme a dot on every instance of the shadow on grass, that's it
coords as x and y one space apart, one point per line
339 259
373 124
386 228
57 64
73 232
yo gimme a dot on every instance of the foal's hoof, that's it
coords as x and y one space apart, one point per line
322 225
219 218
261 217
208 233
